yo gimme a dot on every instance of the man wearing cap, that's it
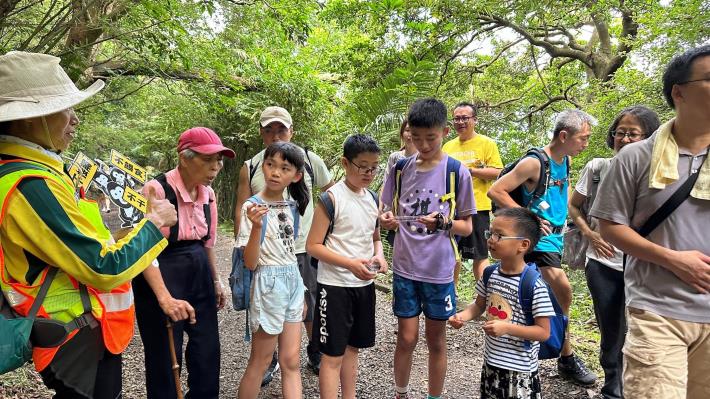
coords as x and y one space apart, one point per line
275 125
54 245
186 286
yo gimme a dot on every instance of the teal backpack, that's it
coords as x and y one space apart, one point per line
15 330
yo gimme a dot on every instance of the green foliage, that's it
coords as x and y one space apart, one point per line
346 66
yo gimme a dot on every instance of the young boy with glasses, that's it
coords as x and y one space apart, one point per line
350 256
510 365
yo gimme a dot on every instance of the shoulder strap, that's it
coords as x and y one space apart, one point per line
452 181
487 272
329 210
256 200
48 278
172 198
309 168
678 197
398 167
296 218
375 197
544 178
526 291
208 219
252 170
596 167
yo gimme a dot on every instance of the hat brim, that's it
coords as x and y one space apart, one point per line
209 149
279 120
17 110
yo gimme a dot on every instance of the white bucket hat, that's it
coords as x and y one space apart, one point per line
33 85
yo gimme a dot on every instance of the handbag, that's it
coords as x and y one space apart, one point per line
574 253
575 247
15 330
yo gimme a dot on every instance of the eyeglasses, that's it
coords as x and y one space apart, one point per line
631 135
462 119
365 170
499 237
695 80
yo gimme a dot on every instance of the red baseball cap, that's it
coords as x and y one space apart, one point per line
204 141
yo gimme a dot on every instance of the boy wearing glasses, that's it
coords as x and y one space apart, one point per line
570 137
510 368
421 194
480 155
350 256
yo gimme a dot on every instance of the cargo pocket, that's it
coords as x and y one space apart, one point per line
643 368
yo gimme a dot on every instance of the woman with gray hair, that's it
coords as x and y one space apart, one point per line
604 265
185 286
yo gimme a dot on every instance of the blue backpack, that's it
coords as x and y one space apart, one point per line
551 348
240 277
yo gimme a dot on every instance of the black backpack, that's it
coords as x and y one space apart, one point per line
542 181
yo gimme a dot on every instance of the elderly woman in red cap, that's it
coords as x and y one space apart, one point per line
185 286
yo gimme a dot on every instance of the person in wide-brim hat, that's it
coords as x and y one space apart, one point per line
37 99
54 241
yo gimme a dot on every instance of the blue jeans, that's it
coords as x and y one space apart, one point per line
607 288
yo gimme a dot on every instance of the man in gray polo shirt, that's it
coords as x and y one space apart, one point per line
275 124
667 276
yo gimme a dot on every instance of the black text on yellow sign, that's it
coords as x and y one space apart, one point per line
120 161
135 198
82 170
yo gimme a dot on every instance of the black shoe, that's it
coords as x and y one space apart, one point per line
270 371
313 362
573 368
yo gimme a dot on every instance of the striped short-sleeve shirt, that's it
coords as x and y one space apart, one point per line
508 352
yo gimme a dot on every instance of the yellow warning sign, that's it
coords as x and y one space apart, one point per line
82 170
135 198
125 164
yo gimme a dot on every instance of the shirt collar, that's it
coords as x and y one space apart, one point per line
179 185
20 148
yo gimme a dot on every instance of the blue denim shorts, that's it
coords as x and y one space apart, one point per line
276 298
410 298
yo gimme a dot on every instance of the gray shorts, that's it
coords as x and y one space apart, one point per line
309 274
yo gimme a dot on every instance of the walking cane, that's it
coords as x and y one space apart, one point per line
173 356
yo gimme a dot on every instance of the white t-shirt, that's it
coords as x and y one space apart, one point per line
278 248
354 225
508 352
320 174
616 261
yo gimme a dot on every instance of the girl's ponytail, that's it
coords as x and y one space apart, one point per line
294 155
300 193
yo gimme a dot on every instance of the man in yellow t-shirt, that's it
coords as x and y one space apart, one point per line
480 154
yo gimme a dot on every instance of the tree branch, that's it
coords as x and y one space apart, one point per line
553 50
551 100
602 29
111 100
458 52
6 8
111 70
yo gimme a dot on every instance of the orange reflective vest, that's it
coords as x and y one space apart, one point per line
114 309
